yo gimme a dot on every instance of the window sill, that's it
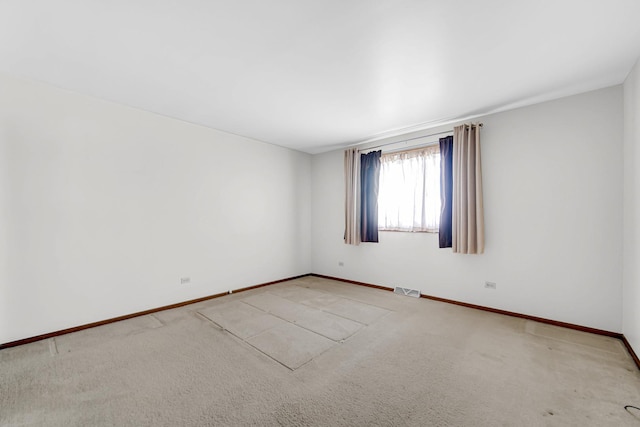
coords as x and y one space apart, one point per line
407 231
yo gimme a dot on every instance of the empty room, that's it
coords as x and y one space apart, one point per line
319 213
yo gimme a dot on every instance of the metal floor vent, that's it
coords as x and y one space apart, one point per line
406 291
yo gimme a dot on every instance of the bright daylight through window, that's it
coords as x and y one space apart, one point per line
409 193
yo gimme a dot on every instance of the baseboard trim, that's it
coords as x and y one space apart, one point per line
632 353
492 310
137 314
529 317
353 282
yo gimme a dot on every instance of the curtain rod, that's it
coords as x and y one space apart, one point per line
412 139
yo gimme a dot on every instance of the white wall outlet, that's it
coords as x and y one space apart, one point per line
340 263
490 285
185 280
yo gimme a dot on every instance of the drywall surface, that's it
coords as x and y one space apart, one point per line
105 208
631 263
553 209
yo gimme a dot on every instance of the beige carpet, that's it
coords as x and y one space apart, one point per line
318 352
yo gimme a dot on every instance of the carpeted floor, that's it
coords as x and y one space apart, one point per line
317 352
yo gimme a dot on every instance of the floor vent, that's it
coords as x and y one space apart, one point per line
406 291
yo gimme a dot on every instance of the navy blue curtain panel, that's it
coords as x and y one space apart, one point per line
446 191
369 184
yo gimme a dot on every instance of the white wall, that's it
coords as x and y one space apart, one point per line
104 208
631 264
553 207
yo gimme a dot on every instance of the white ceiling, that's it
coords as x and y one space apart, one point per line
318 75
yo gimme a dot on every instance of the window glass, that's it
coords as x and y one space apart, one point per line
409 194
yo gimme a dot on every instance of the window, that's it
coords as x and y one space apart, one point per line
409 193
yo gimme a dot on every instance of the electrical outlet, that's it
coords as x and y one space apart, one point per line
340 263
490 285
185 280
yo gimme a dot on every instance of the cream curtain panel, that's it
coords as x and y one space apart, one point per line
352 196
467 206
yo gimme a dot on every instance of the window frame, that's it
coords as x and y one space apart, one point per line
431 149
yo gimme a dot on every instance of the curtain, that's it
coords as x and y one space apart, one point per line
467 206
352 196
409 190
446 191
369 185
